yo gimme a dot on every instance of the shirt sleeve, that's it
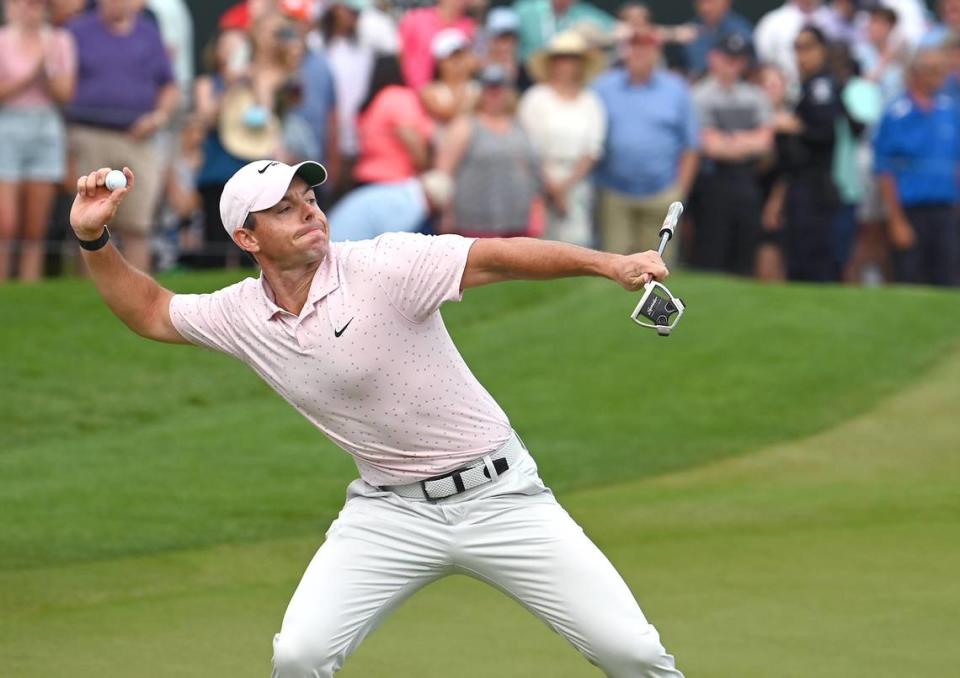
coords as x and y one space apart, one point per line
690 140
881 148
420 272
164 69
597 126
205 319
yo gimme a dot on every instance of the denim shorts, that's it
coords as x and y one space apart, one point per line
33 144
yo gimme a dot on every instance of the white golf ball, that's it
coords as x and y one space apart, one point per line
116 179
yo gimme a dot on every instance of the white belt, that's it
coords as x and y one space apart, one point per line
476 473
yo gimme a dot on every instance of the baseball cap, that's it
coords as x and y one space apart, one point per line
260 185
502 20
734 45
446 42
493 75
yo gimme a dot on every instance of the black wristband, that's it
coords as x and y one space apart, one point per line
99 243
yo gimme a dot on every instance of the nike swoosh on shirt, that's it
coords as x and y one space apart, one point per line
337 333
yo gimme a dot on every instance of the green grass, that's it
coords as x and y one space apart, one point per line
775 511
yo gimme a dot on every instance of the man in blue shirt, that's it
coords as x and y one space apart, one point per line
715 19
396 207
650 153
916 154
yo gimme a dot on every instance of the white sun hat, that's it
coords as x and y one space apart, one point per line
260 185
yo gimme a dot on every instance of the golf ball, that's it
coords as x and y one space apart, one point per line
116 179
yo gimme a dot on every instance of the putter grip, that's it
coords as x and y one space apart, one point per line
670 222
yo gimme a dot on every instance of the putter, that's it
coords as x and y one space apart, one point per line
658 308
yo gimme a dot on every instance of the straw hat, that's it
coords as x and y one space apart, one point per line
247 136
568 43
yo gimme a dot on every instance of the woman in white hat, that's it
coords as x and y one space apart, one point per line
566 124
452 92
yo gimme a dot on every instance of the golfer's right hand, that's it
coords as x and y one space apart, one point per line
633 271
95 205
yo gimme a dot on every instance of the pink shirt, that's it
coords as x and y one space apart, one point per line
417 29
60 56
392 389
383 157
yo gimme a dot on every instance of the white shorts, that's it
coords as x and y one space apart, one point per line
34 145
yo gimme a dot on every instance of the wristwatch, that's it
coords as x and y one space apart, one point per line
94 245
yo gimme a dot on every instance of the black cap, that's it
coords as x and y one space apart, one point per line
734 44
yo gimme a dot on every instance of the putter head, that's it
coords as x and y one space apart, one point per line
658 309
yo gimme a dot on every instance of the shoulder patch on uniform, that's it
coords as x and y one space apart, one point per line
821 90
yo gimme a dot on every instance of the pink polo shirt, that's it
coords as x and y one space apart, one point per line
368 361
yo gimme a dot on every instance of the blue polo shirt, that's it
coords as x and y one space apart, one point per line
374 209
707 36
921 149
649 126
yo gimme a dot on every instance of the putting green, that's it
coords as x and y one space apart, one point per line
832 555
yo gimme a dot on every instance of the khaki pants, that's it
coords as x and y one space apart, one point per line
629 224
94 147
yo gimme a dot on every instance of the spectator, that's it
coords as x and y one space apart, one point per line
318 109
375 29
715 19
503 44
452 92
225 64
842 22
417 31
650 151
176 29
912 21
540 20
566 125
916 150
119 106
489 155
276 74
351 61
181 215
861 104
811 200
403 206
37 74
777 30
770 261
880 55
736 121
394 129
60 12
948 13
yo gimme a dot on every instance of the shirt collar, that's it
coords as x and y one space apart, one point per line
325 281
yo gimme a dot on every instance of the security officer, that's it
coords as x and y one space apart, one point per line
812 200
736 129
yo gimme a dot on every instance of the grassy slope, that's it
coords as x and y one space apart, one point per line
834 555
112 446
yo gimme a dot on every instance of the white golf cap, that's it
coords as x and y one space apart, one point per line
448 41
260 185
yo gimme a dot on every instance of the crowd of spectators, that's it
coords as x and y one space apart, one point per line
822 144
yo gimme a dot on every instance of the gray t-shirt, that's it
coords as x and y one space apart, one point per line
738 108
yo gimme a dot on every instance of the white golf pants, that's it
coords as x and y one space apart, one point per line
510 533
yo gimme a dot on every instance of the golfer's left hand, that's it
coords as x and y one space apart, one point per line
633 271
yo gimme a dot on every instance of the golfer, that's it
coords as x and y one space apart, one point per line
350 334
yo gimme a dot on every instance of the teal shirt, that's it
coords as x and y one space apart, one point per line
538 23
